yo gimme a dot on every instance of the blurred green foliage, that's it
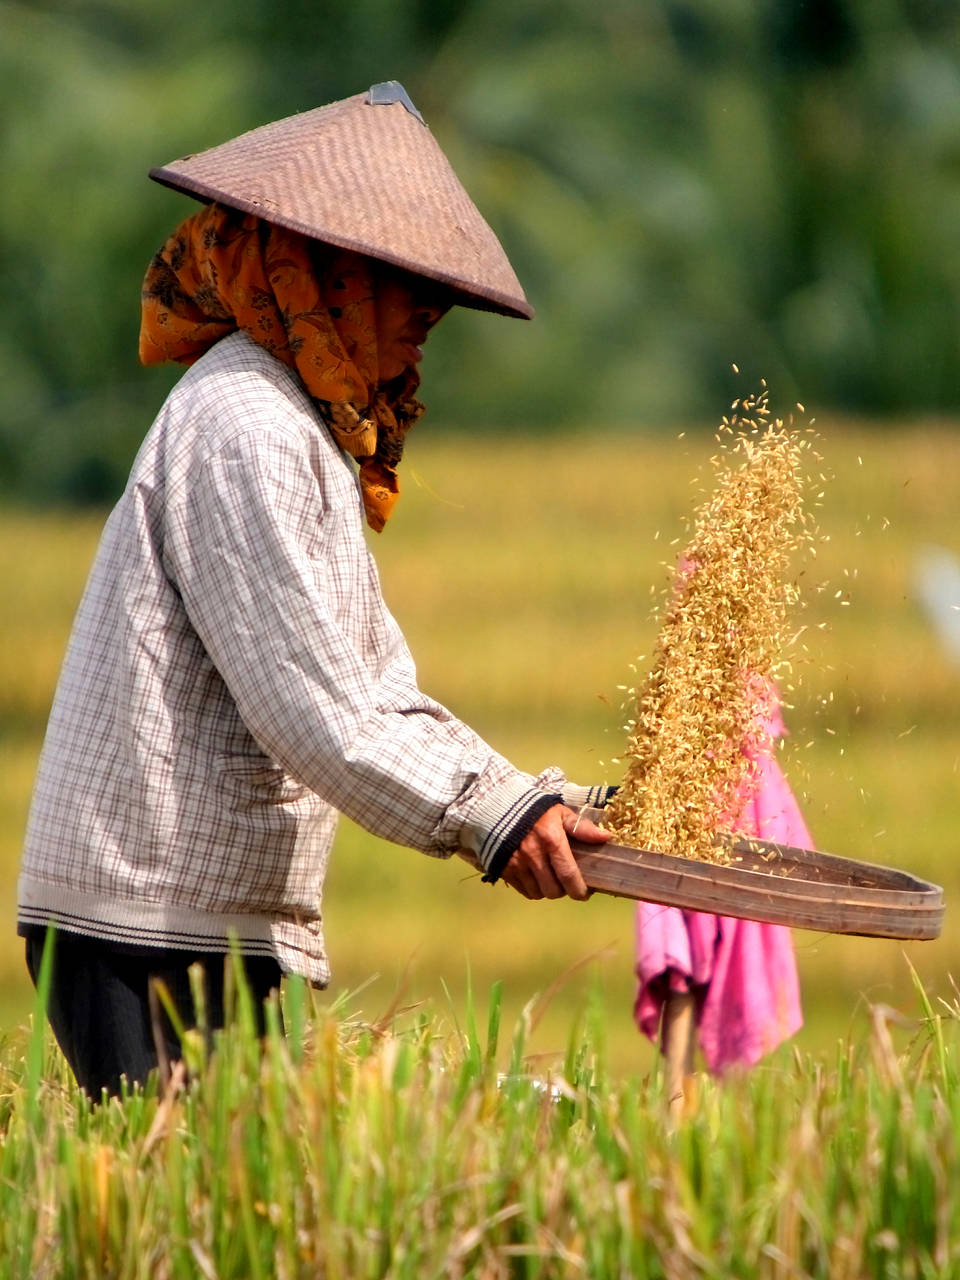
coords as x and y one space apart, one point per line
681 184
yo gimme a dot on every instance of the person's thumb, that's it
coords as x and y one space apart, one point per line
578 827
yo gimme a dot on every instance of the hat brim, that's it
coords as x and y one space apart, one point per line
494 300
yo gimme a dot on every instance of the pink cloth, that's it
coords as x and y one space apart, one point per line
744 972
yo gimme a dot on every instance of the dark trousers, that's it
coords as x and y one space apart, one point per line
102 1014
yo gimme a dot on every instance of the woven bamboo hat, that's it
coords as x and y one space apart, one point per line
365 174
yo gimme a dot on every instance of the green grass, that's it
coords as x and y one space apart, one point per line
351 1149
521 572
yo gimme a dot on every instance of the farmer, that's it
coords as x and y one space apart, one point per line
234 679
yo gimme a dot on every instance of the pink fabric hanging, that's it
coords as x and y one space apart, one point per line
744 972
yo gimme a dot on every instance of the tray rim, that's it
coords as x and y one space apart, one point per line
909 909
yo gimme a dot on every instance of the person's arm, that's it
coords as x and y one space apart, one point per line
254 554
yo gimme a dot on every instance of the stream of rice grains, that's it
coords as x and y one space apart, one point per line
727 624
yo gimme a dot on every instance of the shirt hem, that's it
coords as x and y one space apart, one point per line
296 945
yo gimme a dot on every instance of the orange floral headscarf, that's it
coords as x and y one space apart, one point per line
311 305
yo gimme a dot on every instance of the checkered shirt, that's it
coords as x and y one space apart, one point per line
233 682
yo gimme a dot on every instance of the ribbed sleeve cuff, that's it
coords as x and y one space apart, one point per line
501 819
523 823
587 797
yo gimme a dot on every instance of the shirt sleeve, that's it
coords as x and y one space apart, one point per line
264 570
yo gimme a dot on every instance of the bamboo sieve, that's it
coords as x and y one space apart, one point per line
775 884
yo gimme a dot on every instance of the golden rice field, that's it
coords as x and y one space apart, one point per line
522 573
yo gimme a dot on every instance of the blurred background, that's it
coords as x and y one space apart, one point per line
682 185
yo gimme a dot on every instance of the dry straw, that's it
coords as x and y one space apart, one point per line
725 634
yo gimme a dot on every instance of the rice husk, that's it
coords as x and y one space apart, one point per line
723 641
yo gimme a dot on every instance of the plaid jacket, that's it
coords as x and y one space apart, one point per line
232 682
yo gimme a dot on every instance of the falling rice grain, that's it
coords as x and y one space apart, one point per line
725 627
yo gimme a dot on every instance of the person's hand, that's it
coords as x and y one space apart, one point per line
543 865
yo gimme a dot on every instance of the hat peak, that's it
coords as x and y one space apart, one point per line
388 91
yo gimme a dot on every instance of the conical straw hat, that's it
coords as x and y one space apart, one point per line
365 174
